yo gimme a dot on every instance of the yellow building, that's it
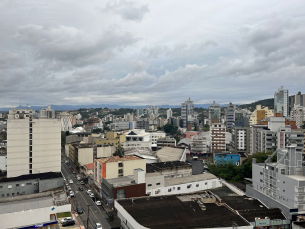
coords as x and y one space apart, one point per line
259 114
111 138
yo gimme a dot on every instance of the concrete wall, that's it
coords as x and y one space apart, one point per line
85 156
185 188
105 151
48 184
3 162
15 188
154 182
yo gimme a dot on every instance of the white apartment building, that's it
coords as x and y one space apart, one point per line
47 113
33 145
198 144
169 113
218 137
298 115
66 121
154 136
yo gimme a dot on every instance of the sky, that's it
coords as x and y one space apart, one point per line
149 52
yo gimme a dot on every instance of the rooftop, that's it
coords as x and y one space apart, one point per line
90 166
120 181
156 167
117 158
41 176
189 179
297 177
172 212
170 154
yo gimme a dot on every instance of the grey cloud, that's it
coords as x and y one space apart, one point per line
128 10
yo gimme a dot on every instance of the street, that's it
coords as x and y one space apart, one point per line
96 213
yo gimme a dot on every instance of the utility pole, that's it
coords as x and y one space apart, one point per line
88 205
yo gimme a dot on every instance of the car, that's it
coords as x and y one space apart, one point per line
88 191
66 162
98 202
78 178
98 226
73 172
65 179
82 183
71 181
71 193
69 188
66 184
91 195
79 209
67 218
68 222
80 188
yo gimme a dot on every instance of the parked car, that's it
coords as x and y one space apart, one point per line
82 183
71 181
68 223
91 195
73 172
98 226
69 188
71 193
88 192
78 178
98 203
79 209
80 189
65 219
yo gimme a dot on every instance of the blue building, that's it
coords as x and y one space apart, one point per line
226 157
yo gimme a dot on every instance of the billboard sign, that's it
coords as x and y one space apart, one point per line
262 222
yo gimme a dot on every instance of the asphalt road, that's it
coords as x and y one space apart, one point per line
96 213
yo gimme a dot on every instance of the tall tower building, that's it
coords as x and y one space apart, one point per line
214 113
169 114
230 117
218 137
187 113
33 144
281 102
47 113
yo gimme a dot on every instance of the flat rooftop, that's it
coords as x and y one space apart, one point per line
172 212
297 177
41 176
117 158
159 166
189 179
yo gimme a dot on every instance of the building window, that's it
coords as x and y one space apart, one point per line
1 186
28 183
178 188
284 182
10 186
17 185
2 195
283 190
121 164
197 185
158 184
206 183
169 190
120 170
13 194
189 186
149 185
17 193
7 194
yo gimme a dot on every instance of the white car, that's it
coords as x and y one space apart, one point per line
98 203
71 193
91 195
71 181
65 219
78 178
98 226
88 191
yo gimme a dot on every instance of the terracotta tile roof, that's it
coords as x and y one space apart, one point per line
90 166
117 158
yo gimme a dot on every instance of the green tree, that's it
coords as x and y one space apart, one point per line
119 151
303 126
97 130
170 129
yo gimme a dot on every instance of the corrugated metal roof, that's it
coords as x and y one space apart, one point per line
170 154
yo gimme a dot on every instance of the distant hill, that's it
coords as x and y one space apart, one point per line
265 103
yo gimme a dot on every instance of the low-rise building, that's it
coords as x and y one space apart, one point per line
165 141
115 166
88 169
111 138
29 184
33 211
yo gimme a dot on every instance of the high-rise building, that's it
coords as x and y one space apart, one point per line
187 113
66 121
47 113
297 99
214 113
259 114
281 102
169 113
218 137
298 115
33 144
230 117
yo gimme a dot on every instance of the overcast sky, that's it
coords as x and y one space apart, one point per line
149 52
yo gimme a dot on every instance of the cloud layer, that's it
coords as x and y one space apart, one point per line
149 52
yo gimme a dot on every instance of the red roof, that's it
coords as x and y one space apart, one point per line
90 166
